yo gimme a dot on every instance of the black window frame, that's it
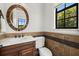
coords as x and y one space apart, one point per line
76 4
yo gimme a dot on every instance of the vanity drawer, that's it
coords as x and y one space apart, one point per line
27 52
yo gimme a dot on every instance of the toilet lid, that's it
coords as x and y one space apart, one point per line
44 52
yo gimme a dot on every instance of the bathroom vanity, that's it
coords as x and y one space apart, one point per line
25 47
22 49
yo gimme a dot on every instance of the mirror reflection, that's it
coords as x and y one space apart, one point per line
18 18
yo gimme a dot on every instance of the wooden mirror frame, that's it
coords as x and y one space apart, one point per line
9 16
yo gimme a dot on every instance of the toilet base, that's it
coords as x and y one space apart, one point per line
43 51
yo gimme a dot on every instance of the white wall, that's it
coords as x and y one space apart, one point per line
41 18
35 17
50 21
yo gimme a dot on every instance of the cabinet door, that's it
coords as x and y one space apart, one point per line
27 52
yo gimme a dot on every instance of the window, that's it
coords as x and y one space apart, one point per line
67 16
21 23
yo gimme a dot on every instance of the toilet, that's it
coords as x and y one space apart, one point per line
43 51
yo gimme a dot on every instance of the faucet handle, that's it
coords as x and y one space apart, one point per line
1 45
22 35
15 36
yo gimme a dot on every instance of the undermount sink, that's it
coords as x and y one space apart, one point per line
11 41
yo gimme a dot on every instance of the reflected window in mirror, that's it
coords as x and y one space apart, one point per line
19 18
21 23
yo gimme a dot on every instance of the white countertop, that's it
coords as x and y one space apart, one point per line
11 41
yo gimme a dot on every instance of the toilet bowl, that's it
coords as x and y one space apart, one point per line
43 51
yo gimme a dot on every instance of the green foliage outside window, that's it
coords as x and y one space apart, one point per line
67 18
60 15
70 12
71 22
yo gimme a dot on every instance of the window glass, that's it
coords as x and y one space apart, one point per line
60 15
71 22
60 7
69 4
70 12
60 23
21 23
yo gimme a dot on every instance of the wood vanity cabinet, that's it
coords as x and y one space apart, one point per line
22 49
26 52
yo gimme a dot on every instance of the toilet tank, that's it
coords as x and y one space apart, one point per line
40 42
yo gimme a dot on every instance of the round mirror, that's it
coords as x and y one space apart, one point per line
17 17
